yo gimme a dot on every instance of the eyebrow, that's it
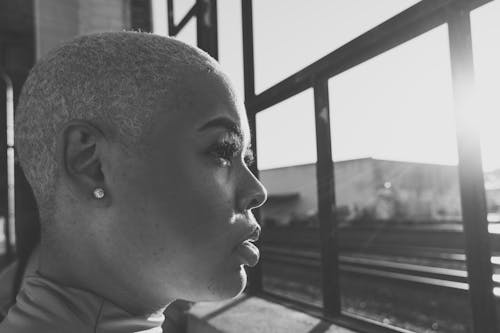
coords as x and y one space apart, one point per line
226 123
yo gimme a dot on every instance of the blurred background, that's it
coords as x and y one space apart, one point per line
377 131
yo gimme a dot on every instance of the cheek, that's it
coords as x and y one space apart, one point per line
181 203
194 195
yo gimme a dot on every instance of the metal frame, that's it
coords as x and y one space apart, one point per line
255 274
416 20
9 227
472 193
206 24
412 22
326 200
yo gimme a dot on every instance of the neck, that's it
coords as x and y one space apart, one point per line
72 269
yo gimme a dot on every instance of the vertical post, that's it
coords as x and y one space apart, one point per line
255 274
11 221
141 15
326 201
206 25
472 193
9 228
248 56
170 18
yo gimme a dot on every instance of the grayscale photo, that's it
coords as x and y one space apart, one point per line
250 166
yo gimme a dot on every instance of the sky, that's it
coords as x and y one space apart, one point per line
396 106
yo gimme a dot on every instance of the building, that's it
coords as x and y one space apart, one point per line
492 187
365 188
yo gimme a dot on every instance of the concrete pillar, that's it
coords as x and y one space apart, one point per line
59 20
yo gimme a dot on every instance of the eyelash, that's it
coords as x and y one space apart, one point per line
226 151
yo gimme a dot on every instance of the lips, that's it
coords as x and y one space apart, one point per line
254 235
247 252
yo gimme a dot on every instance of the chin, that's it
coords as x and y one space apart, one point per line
228 286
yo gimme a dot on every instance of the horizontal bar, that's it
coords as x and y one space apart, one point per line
357 318
421 274
429 281
450 273
414 21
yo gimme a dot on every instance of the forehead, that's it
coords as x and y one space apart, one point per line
201 97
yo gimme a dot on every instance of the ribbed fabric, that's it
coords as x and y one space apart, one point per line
43 306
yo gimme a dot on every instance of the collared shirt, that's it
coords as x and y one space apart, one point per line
44 306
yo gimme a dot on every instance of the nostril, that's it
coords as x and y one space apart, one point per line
254 203
254 195
257 201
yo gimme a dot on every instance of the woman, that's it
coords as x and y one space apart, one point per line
137 150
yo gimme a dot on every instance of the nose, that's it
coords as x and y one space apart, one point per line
253 194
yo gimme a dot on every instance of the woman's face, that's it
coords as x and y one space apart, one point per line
181 208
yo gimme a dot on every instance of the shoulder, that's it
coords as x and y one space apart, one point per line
7 278
42 306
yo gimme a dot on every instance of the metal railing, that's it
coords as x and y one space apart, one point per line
442 260
412 22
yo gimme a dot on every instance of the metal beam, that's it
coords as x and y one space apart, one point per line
190 14
9 226
206 25
326 202
255 274
248 53
170 18
174 29
414 21
472 193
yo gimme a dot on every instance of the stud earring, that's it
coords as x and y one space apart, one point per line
98 193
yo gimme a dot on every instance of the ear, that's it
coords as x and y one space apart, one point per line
82 145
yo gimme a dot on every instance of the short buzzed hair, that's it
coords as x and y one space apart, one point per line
112 79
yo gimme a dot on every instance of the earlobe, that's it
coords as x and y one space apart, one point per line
81 157
98 193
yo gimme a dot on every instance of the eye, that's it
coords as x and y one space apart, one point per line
224 152
249 157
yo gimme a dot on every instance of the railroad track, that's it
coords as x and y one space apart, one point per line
366 238
367 254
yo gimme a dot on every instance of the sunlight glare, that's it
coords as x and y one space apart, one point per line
486 48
